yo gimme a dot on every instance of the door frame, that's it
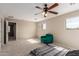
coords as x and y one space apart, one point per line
7 20
5 31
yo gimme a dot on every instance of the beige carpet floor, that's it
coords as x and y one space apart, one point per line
20 47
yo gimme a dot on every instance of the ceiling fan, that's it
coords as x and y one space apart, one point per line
47 9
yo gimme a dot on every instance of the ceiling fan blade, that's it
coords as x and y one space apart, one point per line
38 7
53 12
53 6
39 13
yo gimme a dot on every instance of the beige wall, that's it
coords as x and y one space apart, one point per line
25 29
56 26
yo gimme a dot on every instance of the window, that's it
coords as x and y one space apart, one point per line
44 26
72 23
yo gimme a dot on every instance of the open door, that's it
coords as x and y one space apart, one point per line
4 31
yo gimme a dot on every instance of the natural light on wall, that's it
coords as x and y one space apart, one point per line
44 26
72 23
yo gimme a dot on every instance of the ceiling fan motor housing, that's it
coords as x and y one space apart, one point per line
46 8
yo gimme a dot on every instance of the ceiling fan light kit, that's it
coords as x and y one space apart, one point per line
44 14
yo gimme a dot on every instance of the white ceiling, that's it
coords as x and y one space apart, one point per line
27 11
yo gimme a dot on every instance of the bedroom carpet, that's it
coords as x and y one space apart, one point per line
20 47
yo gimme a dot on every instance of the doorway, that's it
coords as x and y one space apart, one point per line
12 31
